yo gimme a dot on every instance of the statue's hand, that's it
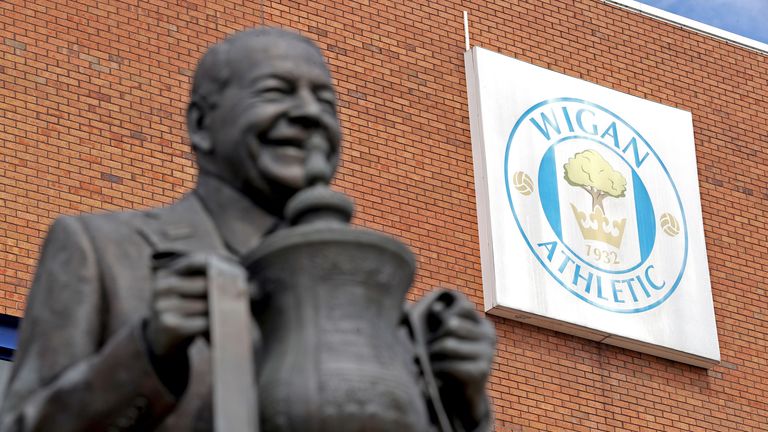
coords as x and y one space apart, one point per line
179 307
461 348
178 313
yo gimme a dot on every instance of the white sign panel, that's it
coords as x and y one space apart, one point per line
589 210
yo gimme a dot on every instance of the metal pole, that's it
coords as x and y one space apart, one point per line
466 31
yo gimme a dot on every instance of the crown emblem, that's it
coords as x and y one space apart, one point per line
596 226
589 171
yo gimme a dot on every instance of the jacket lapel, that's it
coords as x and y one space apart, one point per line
182 228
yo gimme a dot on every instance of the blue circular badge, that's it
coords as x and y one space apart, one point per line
596 205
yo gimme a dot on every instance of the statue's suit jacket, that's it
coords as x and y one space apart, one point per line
82 364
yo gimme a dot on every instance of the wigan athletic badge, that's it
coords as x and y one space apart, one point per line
606 239
588 210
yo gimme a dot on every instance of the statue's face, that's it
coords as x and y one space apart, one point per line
279 95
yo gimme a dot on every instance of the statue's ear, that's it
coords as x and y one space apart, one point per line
198 128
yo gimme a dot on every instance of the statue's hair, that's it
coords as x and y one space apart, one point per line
214 70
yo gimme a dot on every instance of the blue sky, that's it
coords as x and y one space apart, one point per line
744 17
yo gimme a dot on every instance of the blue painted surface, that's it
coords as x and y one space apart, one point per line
646 220
8 333
548 192
8 338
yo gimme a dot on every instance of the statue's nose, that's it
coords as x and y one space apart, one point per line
307 111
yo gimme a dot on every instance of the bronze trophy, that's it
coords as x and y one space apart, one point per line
329 304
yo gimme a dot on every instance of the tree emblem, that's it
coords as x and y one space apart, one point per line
591 172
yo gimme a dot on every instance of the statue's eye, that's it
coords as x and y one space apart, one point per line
272 92
272 88
327 97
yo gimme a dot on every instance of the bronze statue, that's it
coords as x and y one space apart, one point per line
116 333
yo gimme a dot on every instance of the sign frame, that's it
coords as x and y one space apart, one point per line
672 315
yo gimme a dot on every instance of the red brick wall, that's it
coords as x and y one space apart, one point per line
92 101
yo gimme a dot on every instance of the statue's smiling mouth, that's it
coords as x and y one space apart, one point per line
283 136
288 142
285 148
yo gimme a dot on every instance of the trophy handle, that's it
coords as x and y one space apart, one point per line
420 323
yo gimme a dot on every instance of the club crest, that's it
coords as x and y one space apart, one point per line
596 205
